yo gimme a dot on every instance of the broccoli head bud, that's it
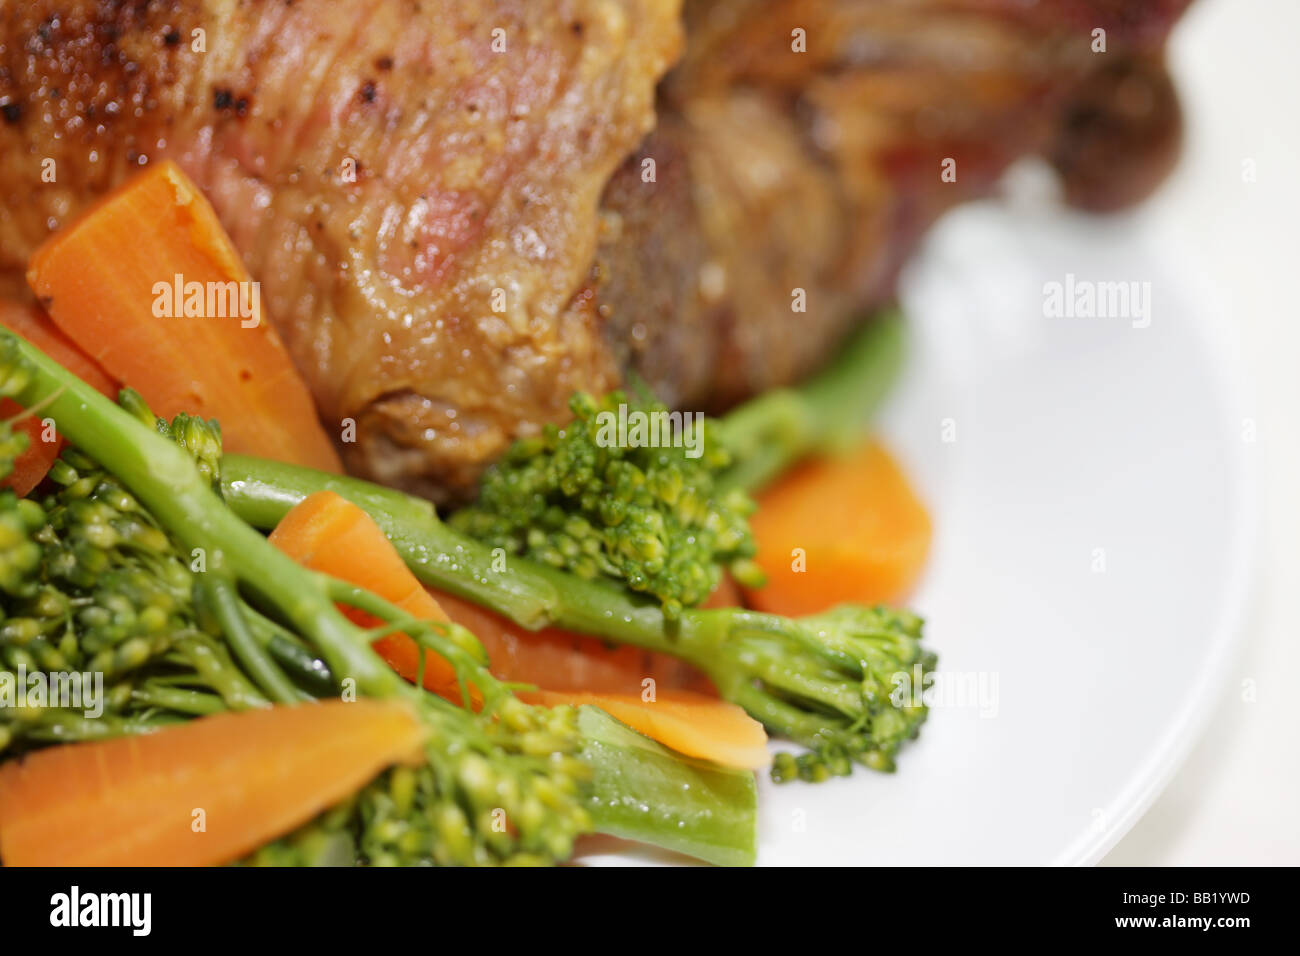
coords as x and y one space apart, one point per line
830 681
200 437
577 498
92 582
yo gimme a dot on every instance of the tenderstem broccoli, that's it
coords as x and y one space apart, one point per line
645 514
135 556
520 759
824 681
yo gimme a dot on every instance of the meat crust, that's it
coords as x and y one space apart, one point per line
414 184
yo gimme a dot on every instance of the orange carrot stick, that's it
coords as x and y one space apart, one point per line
561 660
330 534
684 712
836 530
246 777
691 724
148 283
32 465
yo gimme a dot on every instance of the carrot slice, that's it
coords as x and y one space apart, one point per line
691 724
330 534
562 660
726 594
32 465
247 777
835 530
685 713
35 326
114 281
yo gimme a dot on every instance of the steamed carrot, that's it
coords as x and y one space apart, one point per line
562 660
691 724
835 530
35 326
330 534
200 793
111 279
680 709
32 465
726 594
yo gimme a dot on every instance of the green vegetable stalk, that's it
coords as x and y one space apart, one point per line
645 792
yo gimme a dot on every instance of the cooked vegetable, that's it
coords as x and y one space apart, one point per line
836 529
824 681
90 583
35 326
30 467
690 724
149 285
642 791
580 499
505 785
330 534
198 793
513 761
562 660
639 790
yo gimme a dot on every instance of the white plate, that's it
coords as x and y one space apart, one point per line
1093 534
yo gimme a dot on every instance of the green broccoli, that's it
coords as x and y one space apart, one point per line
135 566
649 517
824 681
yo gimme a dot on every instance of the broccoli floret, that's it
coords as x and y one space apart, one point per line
92 582
648 516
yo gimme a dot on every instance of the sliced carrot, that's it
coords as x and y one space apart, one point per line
200 793
684 714
726 594
835 530
562 660
108 281
35 326
32 465
691 724
330 534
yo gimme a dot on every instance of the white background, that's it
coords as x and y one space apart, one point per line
1237 64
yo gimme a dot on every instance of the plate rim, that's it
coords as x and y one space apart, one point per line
1211 685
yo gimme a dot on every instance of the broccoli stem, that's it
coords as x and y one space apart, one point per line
182 700
532 594
55 725
642 791
213 665
224 605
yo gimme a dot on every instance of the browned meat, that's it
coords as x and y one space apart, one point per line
820 170
433 299
491 255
